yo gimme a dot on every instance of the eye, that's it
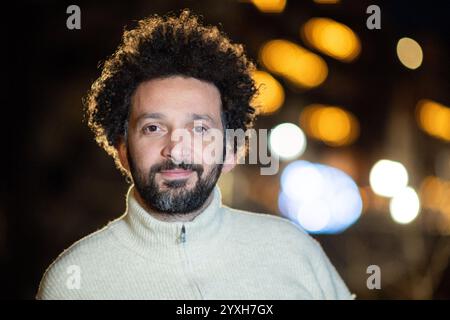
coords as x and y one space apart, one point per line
151 128
200 129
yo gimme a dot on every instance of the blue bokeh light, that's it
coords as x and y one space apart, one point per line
320 198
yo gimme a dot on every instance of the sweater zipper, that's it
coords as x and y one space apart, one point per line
182 241
183 234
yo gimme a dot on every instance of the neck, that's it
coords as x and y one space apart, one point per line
172 217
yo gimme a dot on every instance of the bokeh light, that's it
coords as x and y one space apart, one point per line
331 124
435 196
327 1
332 38
434 118
388 177
270 6
296 64
270 93
409 53
320 198
287 141
405 206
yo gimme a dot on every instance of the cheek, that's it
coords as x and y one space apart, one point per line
145 156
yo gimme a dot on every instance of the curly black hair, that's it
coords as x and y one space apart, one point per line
161 47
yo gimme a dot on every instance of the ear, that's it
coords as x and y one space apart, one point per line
230 160
122 153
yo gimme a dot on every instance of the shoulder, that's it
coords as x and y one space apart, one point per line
275 234
270 227
59 279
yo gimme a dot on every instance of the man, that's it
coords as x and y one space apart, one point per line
176 240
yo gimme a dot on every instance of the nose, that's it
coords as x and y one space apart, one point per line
178 147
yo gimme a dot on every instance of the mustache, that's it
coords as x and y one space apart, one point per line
170 165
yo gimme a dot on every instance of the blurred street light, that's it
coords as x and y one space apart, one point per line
405 206
330 124
409 53
388 177
296 64
270 6
332 38
322 199
434 118
287 141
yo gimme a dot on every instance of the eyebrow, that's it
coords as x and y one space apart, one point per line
152 115
158 115
207 117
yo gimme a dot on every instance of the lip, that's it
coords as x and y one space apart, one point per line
176 173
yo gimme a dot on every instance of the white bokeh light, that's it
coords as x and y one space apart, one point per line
405 206
388 177
287 141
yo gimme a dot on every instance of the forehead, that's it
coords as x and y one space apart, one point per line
175 96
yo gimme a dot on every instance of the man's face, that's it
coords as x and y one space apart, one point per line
170 121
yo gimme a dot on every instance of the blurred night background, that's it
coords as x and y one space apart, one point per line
360 118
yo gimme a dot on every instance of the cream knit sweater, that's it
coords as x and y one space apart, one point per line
222 254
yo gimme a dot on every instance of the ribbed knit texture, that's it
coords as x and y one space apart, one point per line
226 254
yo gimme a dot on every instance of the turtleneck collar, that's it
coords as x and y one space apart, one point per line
147 234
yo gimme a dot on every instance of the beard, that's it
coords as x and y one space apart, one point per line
176 198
